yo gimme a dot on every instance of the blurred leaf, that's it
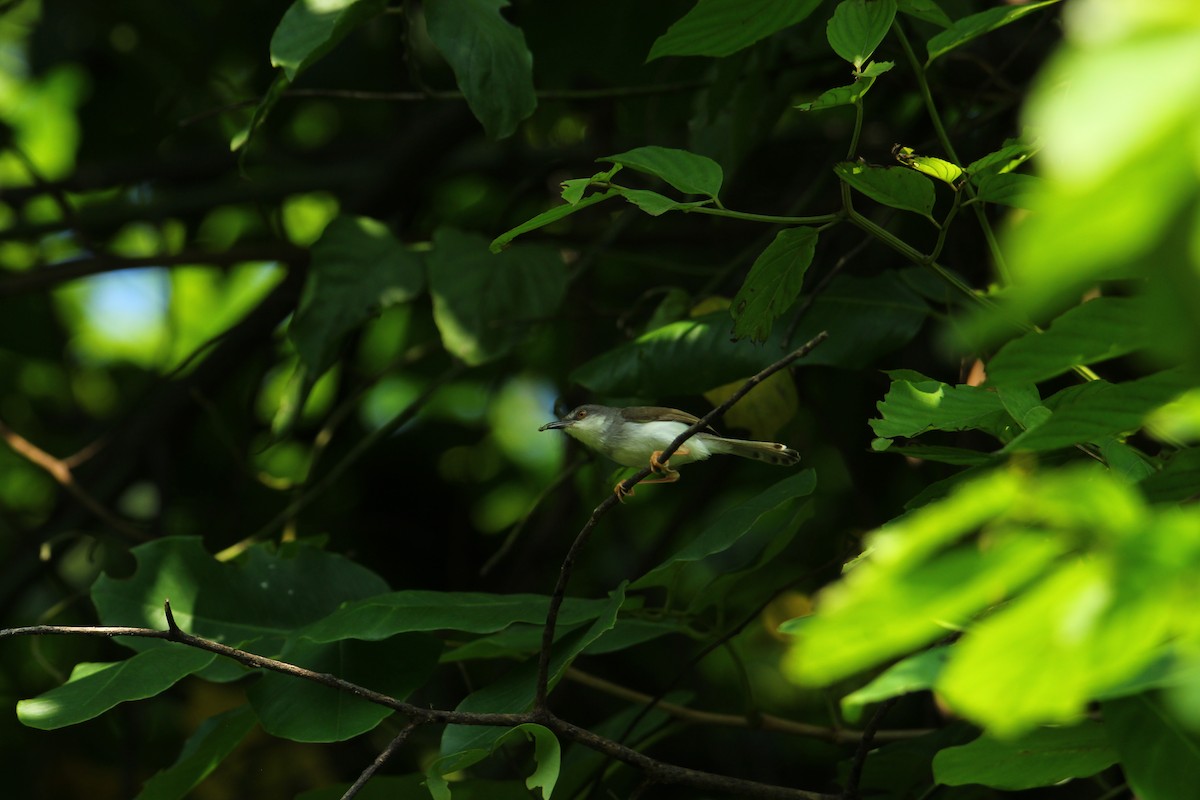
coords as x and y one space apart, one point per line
1159 756
309 30
262 597
1044 757
913 674
912 408
358 268
304 711
204 751
968 28
926 10
730 528
722 27
865 318
774 282
896 187
760 414
548 217
847 95
491 63
858 26
1094 331
486 304
385 615
941 454
688 172
93 689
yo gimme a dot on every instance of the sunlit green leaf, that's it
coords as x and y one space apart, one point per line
968 28
912 408
1043 757
858 26
893 186
722 27
773 283
688 172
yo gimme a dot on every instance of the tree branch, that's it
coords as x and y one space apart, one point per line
380 760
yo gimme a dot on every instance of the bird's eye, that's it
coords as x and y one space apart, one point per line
580 414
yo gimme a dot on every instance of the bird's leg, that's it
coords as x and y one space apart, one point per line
664 467
621 492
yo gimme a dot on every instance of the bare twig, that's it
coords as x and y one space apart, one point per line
380 760
864 747
568 565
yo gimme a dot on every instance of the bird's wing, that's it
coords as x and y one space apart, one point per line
659 414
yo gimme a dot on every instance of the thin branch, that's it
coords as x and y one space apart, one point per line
60 471
380 760
564 475
568 565
864 747
766 722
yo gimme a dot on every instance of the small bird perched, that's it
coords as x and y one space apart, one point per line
638 435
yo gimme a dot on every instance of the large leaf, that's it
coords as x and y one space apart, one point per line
773 283
491 63
1044 757
687 172
304 711
263 597
311 29
358 268
1160 757
204 751
484 304
898 187
1098 330
968 28
865 318
722 27
911 408
858 26
93 689
729 529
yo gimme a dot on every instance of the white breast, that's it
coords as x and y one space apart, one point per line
654 436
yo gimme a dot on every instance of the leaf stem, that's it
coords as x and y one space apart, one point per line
817 219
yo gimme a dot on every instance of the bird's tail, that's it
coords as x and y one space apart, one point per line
770 452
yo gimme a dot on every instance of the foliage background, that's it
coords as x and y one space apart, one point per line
307 338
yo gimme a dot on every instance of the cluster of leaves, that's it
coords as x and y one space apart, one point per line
1039 579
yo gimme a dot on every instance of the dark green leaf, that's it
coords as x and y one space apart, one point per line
912 408
491 63
484 304
722 27
1178 480
968 28
309 30
304 711
926 10
1009 189
773 283
93 689
239 140
212 742
939 453
847 95
913 674
858 26
358 268
547 217
687 172
865 317
893 186
1043 757
547 758
1160 757
654 203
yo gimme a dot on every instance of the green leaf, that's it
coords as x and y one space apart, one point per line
261 597
491 62
865 317
1044 757
773 283
309 30
968 28
1101 410
414 610
358 268
936 168
926 10
687 172
547 757
548 217
239 140
1009 189
204 751
1012 154
728 530
848 95
654 203
858 26
1160 757
941 454
912 408
303 711
893 186
723 27
1178 480
93 689
486 304
1094 331
1023 403
913 674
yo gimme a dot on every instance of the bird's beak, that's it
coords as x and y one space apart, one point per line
558 423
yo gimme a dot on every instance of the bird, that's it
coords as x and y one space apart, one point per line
637 435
